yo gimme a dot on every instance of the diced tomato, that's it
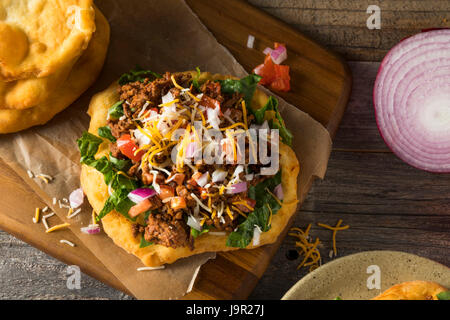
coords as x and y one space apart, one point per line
282 81
193 180
177 203
128 148
179 178
140 208
266 70
166 192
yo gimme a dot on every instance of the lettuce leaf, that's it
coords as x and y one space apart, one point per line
88 145
144 243
138 74
246 86
120 164
121 184
195 233
105 132
242 237
444 295
116 110
195 82
277 122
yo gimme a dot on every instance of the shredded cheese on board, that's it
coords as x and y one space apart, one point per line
58 227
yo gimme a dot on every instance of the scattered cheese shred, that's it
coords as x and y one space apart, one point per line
245 204
175 83
57 227
169 103
93 217
309 250
150 268
244 111
67 242
335 230
274 196
229 213
36 215
239 211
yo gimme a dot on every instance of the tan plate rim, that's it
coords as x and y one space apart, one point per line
316 275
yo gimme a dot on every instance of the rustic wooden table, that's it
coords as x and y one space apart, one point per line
388 204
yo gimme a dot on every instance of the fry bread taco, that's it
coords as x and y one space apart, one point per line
146 172
414 290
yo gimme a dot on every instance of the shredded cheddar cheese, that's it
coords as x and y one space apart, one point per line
245 204
309 250
244 111
335 230
274 196
36 215
57 227
168 103
239 211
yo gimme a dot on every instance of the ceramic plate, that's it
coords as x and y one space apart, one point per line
348 277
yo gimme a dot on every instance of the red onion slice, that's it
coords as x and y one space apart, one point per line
141 194
91 229
238 187
278 191
76 198
412 100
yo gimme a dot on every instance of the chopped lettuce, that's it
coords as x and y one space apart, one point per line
195 82
444 295
88 145
137 74
195 233
246 86
120 164
121 184
242 237
116 110
144 243
275 123
105 132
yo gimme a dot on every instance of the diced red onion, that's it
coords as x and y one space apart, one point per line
219 175
412 100
238 187
193 223
91 229
76 198
250 41
192 149
279 54
141 194
203 179
267 50
278 191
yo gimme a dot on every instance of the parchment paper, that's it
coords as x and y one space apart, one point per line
161 36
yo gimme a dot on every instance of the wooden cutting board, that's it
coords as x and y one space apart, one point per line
321 84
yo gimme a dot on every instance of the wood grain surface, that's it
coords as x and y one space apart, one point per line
388 204
341 24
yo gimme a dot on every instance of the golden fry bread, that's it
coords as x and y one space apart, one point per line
120 229
84 73
27 93
39 37
412 290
